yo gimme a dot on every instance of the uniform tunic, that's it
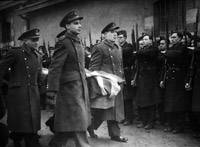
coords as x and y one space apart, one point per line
128 62
147 91
107 57
67 77
196 81
23 101
175 92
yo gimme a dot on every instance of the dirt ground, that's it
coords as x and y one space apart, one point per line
137 137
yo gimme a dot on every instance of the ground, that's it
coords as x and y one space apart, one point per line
137 137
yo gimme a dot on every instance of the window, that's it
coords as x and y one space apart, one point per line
176 15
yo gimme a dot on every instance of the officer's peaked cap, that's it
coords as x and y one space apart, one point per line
122 32
61 34
110 27
70 17
33 33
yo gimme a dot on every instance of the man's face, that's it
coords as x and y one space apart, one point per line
162 45
111 35
175 39
74 27
32 42
147 41
141 44
121 39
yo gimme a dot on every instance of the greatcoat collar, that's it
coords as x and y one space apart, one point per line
110 43
72 36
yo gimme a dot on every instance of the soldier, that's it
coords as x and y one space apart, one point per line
147 89
23 99
67 85
161 64
128 90
50 121
193 83
106 56
175 92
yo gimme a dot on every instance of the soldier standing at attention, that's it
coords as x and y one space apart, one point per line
147 90
23 99
107 57
175 93
67 85
128 62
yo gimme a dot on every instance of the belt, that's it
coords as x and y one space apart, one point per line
127 68
147 68
173 68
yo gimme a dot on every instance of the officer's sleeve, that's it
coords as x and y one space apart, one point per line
56 67
96 59
5 63
148 52
175 53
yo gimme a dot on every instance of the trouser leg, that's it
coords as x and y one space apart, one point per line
17 138
172 117
113 128
128 110
81 139
144 115
180 120
151 115
95 121
31 140
59 139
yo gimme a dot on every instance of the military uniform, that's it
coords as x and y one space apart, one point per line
67 78
196 82
175 93
23 99
107 57
147 90
128 91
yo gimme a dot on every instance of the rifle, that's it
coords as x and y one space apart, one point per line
90 38
85 41
46 50
167 44
134 81
189 87
133 37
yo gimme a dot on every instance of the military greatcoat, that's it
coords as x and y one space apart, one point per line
176 95
23 99
107 57
67 78
196 81
147 91
128 62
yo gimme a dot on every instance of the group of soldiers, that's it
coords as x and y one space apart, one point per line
159 77
164 79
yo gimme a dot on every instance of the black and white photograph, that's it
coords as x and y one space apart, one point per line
99 73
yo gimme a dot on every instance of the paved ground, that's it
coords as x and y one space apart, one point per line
137 137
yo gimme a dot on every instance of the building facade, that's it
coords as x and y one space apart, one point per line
149 15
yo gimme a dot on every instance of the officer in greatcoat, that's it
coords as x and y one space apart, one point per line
176 96
23 99
147 90
106 56
67 85
128 63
